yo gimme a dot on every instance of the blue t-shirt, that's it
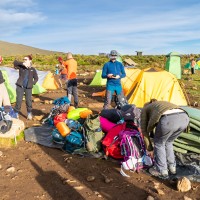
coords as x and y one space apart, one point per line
115 68
25 81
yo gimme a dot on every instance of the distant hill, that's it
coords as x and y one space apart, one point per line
11 49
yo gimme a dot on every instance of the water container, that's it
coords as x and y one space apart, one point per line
63 129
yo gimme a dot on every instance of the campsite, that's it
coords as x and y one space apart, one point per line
32 171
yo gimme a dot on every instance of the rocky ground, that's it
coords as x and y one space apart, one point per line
31 171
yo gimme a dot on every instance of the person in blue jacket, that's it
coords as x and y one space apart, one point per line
113 71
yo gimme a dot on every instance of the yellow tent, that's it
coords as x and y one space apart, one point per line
129 81
154 83
50 82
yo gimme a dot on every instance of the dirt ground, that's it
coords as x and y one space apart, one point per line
46 173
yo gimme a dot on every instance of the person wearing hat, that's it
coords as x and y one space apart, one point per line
62 72
113 71
169 121
70 66
4 97
27 78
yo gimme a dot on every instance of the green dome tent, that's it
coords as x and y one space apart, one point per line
46 81
10 89
173 64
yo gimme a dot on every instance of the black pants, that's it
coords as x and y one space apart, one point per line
72 90
28 96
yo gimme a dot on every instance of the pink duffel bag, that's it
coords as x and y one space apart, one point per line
106 125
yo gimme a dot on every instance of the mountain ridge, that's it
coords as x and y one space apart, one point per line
13 49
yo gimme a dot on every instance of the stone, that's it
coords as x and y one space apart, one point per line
10 169
187 198
183 185
1 153
90 178
160 192
150 198
46 101
36 100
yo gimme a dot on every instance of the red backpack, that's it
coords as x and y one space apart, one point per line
111 142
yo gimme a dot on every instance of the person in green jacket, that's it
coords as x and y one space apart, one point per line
169 122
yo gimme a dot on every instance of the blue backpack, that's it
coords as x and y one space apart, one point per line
73 141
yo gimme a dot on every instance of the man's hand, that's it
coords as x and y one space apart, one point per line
117 77
151 154
110 75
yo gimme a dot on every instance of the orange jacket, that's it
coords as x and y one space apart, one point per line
71 67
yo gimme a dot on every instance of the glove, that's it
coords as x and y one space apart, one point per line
60 59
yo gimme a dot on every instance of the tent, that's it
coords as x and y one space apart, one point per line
97 80
46 81
129 81
155 83
129 62
173 64
140 86
188 66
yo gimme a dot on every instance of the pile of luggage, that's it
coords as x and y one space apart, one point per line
113 132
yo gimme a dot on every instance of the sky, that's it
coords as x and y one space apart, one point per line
91 27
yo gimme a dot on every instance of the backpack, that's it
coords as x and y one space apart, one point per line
111 142
5 121
130 112
61 105
133 149
93 133
73 141
106 125
120 101
113 115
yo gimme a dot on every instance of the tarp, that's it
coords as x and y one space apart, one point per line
46 81
193 113
173 64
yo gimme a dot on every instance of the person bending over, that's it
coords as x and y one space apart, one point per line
169 122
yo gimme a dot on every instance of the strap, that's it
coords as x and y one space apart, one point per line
123 173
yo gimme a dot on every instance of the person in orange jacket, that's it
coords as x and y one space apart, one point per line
71 68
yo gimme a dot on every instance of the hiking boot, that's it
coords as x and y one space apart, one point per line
172 170
162 175
29 117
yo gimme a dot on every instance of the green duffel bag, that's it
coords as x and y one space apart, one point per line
93 133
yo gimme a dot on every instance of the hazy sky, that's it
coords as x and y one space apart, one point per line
96 26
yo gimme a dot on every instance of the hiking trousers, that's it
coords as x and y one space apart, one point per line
4 98
72 90
109 92
28 96
169 127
